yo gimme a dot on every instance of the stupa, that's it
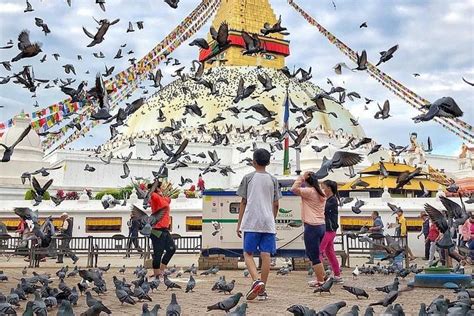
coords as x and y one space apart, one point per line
225 72
28 156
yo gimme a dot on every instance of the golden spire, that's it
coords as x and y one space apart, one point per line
249 16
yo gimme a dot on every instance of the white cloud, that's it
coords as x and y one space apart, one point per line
9 7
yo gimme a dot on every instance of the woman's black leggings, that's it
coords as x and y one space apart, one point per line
161 244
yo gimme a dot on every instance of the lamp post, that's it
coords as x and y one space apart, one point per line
298 162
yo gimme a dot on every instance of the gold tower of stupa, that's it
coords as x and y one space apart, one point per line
249 16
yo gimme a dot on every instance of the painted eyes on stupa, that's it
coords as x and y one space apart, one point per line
269 56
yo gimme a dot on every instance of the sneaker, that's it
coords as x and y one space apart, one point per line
262 296
338 279
257 288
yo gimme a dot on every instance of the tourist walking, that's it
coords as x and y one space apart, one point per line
66 234
376 230
433 237
133 227
425 228
466 232
313 201
163 244
471 237
258 209
401 231
200 183
331 216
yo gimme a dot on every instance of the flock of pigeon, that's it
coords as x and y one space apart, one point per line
40 297
99 96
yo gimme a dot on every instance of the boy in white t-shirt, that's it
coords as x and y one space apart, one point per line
258 209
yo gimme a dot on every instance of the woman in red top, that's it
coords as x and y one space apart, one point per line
433 236
160 236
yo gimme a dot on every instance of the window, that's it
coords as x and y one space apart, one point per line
414 224
103 224
234 208
12 222
193 223
355 222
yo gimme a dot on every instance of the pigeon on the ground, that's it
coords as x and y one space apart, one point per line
170 284
173 309
227 304
123 296
326 287
191 284
240 310
5 307
356 291
387 300
65 309
390 287
332 309
301 310
153 312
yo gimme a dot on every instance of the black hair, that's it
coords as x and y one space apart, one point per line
332 185
261 157
313 181
376 213
150 185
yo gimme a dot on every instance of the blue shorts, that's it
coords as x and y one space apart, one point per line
259 242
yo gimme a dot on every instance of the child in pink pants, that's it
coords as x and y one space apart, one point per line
331 216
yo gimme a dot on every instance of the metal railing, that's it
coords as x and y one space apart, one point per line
91 246
356 247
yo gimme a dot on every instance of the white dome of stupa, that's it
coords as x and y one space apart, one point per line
27 155
30 145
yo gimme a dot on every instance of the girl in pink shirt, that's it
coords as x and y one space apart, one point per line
313 201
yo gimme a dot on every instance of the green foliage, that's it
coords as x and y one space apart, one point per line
118 194
29 195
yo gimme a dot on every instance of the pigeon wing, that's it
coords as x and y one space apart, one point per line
36 185
23 212
223 34
213 33
363 58
453 208
182 147
137 213
345 159
22 136
248 40
386 108
437 218
24 40
47 185
392 50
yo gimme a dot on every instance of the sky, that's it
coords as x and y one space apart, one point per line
435 38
